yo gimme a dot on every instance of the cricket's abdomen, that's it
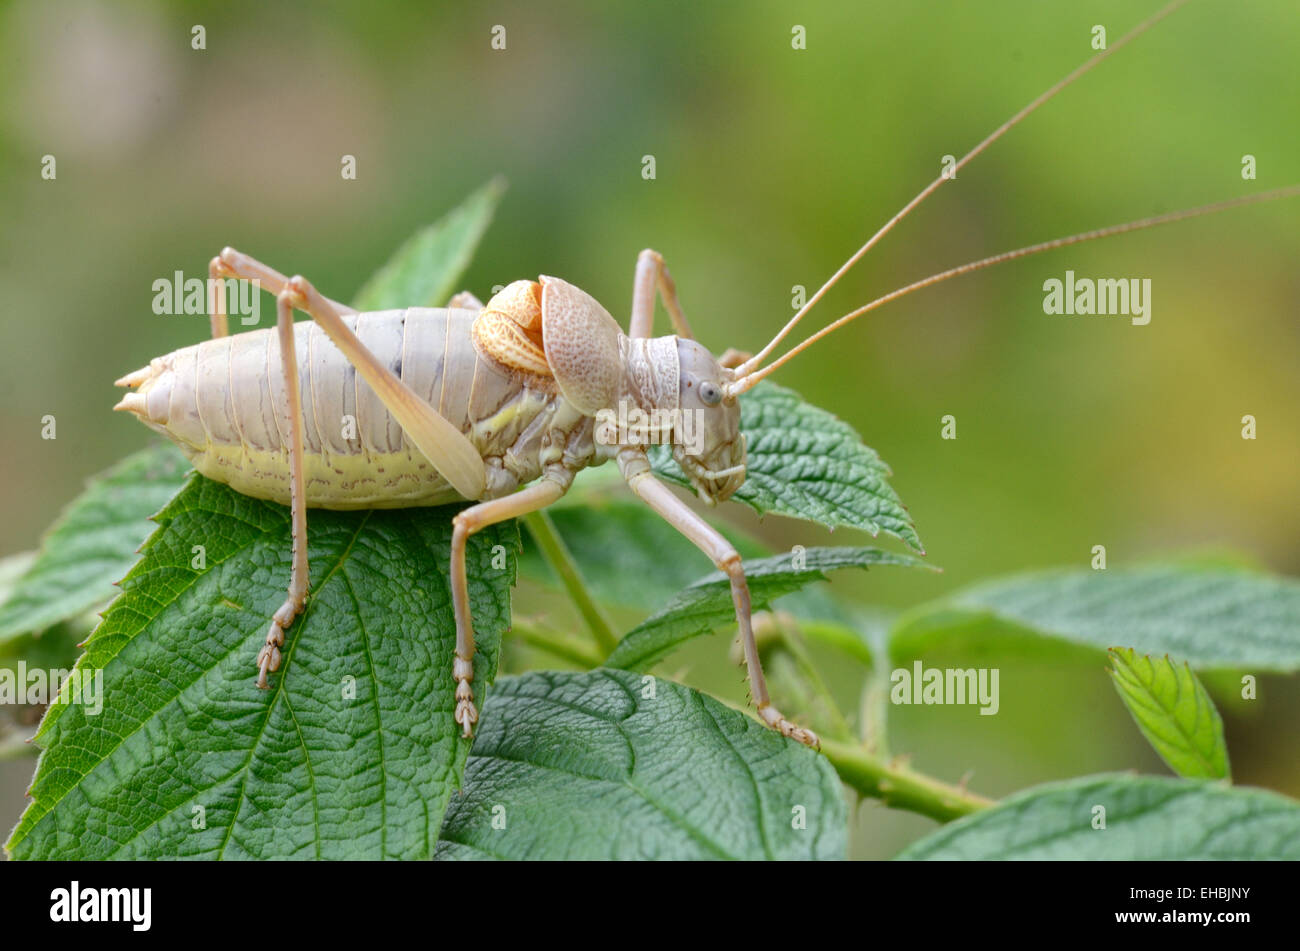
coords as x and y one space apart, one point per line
224 403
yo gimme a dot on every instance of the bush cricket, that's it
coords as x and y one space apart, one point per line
498 404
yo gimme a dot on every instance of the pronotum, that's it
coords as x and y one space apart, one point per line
499 404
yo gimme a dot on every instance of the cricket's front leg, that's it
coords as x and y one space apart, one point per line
553 484
636 471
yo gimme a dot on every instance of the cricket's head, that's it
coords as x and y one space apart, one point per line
708 443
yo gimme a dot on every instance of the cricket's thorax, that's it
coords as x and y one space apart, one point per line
224 403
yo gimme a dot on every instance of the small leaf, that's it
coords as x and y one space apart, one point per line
353 753
1174 713
706 605
806 463
1214 618
611 765
1146 818
424 271
13 567
93 543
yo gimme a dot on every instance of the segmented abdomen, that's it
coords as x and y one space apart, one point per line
224 401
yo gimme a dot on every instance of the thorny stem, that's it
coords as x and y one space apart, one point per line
898 786
868 768
561 561
891 781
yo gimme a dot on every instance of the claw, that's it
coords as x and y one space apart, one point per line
777 721
466 712
269 657
466 716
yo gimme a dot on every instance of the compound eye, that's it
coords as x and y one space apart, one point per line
710 393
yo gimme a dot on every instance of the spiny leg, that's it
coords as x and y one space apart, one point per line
652 274
465 301
232 263
442 444
451 453
268 659
636 471
554 484
217 299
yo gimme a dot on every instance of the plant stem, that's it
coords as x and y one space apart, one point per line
836 635
899 787
561 561
875 713
557 644
791 633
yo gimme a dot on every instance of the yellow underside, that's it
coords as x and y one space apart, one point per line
360 481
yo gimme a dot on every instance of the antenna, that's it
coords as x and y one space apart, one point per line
750 365
1291 191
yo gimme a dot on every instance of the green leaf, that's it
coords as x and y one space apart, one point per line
806 463
53 653
629 556
54 649
627 553
13 567
706 605
424 271
1213 617
1173 711
612 765
353 753
93 543
1146 817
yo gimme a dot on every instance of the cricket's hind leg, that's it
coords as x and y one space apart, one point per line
232 263
268 659
449 451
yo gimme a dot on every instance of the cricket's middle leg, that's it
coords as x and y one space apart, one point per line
554 484
651 275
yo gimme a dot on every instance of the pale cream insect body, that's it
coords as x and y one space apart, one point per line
224 403
426 406
497 405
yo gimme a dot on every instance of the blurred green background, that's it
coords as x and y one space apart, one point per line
773 165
